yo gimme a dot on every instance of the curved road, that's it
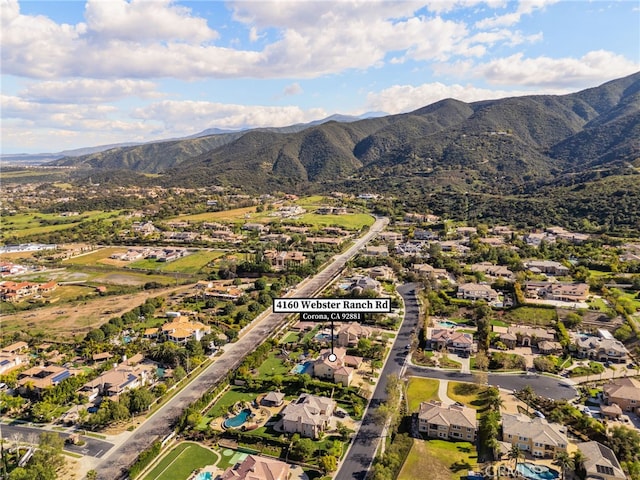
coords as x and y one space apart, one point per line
360 456
160 424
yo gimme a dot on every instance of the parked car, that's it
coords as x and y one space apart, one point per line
538 414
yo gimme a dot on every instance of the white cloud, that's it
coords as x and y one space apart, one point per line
145 21
406 98
88 90
293 89
589 70
155 39
525 7
185 116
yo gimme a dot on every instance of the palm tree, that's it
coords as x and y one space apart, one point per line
514 454
493 399
564 461
578 459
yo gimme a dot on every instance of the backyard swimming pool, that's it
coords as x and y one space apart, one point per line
301 368
537 472
204 476
447 324
235 422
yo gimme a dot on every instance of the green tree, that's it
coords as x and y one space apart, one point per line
328 463
303 448
565 462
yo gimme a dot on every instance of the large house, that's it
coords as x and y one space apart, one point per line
450 422
284 260
131 373
547 267
600 463
624 392
602 349
39 378
338 369
308 415
255 467
350 333
534 435
529 336
565 292
452 341
181 330
477 291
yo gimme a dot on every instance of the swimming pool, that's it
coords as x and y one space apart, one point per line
204 476
447 324
235 422
323 337
301 368
537 472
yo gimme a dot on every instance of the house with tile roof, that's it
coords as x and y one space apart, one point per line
308 415
534 435
602 349
600 463
180 330
477 291
338 370
350 333
451 340
625 392
255 467
453 422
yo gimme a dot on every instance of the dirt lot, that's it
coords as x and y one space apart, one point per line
65 320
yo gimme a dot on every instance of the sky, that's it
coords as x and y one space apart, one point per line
85 73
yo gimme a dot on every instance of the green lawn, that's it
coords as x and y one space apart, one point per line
354 221
191 263
237 214
23 225
439 460
469 394
233 395
421 390
180 462
95 256
272 366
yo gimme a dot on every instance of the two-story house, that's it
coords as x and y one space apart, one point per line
453 422
624 392
308 415
534 435
452 341
477 291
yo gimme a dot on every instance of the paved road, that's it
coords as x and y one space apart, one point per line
363 448
544 386
92 447
115 465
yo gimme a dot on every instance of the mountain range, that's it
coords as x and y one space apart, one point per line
536 159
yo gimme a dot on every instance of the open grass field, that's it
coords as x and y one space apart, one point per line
234 215
531 315
180 462
27 224
441 459
354 221
192 263
421 390
95 257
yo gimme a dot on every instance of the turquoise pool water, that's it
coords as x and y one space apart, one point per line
204 476
301 368
537 472
447 324
235 422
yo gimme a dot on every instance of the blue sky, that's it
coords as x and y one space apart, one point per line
85 73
